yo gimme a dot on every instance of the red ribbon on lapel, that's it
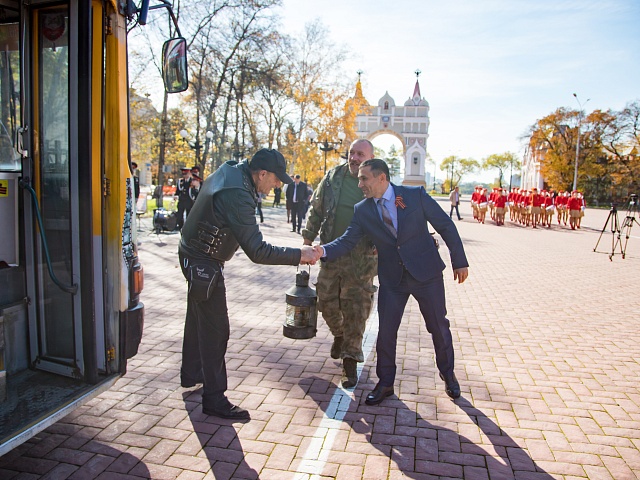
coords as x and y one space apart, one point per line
399 202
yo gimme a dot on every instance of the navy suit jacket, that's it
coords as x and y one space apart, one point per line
414 248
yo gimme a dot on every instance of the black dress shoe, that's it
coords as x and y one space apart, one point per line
232 412
378 394
452 386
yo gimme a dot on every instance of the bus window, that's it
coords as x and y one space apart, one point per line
9 96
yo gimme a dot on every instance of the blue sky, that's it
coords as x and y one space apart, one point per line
490 68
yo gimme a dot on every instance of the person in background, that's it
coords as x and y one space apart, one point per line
182 195
196 181
261 196
454 198
136 182
297 194
277 194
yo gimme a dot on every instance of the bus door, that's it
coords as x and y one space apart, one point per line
54 282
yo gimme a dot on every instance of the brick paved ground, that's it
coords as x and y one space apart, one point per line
548 354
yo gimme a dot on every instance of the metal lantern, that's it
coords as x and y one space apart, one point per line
302 312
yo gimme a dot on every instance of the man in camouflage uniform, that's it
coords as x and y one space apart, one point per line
345 287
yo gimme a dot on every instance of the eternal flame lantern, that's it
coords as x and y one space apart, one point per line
302 312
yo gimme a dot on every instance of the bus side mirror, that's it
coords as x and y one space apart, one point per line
174 65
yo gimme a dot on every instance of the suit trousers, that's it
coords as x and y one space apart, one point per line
297 212
206 334
430 296
457 211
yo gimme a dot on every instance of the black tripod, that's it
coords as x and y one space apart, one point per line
615 229
629 220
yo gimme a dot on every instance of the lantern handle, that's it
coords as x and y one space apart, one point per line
308 266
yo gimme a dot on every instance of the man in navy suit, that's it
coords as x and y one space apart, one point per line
395 219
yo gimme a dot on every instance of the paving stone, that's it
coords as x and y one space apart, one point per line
550 381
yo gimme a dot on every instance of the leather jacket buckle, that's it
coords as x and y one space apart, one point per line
206 237
212 229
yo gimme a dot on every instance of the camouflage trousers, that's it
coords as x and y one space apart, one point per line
345 302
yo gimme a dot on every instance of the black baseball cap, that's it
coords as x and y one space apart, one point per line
271 160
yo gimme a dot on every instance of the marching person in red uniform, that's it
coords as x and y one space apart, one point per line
474 201
557 201
526 205
536 207
547 209
492 202
565 207
483 202
583 207
574 205
500 204
520 203
512 204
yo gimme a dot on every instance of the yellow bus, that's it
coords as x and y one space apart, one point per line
70 279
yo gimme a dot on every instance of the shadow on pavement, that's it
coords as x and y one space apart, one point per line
219 441
420 447
39 458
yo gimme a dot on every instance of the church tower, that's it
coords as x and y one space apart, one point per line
354 106
409 124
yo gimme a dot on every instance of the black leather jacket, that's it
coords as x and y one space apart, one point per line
227 200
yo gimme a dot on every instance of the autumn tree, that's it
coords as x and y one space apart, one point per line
607 165
317 90
456 168
502 162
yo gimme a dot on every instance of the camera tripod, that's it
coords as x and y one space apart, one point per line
619 231
615 230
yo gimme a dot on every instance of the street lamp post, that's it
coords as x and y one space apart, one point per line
575 167
197 146
510 173
434 175
326 145
453 161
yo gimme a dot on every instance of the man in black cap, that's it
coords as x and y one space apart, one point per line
222 219
182 193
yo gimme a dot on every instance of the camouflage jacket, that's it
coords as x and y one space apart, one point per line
321 219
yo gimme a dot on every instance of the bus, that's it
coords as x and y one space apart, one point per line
70 279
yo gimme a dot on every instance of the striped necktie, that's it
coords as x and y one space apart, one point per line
386 217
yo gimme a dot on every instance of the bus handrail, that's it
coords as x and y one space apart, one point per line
72 289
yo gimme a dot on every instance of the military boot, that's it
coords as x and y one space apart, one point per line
349 373
336 348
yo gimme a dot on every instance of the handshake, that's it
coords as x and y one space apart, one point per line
310 255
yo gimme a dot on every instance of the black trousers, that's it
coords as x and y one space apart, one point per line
206 334
184 207
391 304
259 212
297 214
